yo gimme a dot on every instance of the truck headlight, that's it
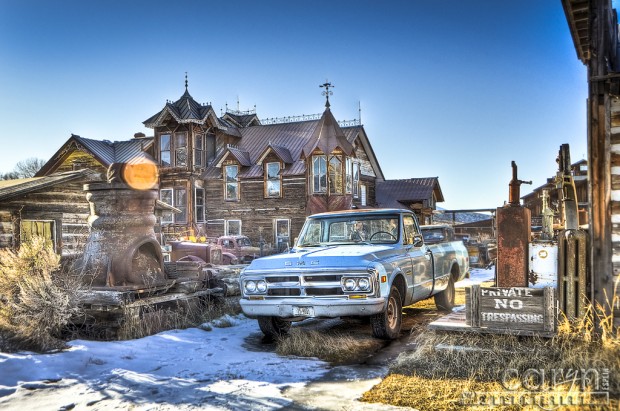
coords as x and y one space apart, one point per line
363 284
349 284
250 286
261 286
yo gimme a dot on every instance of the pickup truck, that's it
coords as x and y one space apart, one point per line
361 263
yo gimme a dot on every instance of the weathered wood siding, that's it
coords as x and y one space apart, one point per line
254 210
65 205
615 196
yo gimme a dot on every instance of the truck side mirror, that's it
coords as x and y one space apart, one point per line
418 240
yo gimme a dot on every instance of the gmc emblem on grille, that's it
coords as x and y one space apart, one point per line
301 263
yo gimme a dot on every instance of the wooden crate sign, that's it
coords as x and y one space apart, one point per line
516 310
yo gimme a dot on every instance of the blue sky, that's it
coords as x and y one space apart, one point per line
454 89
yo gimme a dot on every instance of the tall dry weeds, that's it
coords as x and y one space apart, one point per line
38 300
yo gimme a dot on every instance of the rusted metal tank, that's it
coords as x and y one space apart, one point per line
122 249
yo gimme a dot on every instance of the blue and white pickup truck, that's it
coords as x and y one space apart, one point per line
352 263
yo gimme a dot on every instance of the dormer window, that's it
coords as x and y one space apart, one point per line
273 180
199 144
319 174
180 148
164 149
231 189
335 175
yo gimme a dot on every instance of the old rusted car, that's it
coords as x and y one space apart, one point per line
241 247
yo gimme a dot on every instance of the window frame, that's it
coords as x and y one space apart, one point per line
356 179
180 149
278 238
175 218
200 210
319 187
335 182
163 219
227 227
277 179
234 183
199 151
168 136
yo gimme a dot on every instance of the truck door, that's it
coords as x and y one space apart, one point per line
421 259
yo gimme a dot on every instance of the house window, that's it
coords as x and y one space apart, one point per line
335 175
176 197
199 201
210 147
165 196
356 179
199 141
283 234
319 174
232 184
38 228
349 176
363 194
180 202
273 180
180 149
233 227
164 149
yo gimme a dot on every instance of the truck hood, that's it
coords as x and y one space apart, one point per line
358 256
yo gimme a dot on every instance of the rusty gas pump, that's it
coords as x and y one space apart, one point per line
513 236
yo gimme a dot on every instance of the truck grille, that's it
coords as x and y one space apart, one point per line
311 285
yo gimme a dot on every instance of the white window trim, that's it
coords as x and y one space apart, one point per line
165 221
204 205
267 179
227 225
225 168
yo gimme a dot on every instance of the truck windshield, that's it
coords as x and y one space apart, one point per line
383 229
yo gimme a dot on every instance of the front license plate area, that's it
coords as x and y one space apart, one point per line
303 311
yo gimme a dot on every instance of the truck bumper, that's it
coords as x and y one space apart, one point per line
326 308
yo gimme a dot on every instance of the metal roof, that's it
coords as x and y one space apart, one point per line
395 193
106 152
14 188
184 110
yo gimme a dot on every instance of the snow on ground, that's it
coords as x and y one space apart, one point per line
477 276
179 369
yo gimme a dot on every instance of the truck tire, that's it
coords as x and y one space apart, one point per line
386 325
273 327
445 299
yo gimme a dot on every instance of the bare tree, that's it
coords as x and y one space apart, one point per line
24 169
28 168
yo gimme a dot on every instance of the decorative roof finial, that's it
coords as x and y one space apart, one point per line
186 81
326 93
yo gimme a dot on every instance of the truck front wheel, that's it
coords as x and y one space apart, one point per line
386 325
274 327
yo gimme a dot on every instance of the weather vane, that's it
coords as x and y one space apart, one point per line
327 93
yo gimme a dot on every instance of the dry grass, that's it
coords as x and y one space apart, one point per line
149 320
447 366
332 346
37 300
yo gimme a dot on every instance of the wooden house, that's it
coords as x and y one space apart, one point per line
233 175
593 26
54 207
418 194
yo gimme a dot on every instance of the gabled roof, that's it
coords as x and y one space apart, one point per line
243 157
14 188
242 120
327 136
281 152
104 151
396 193
184 110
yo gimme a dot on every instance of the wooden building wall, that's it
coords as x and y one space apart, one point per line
65 205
